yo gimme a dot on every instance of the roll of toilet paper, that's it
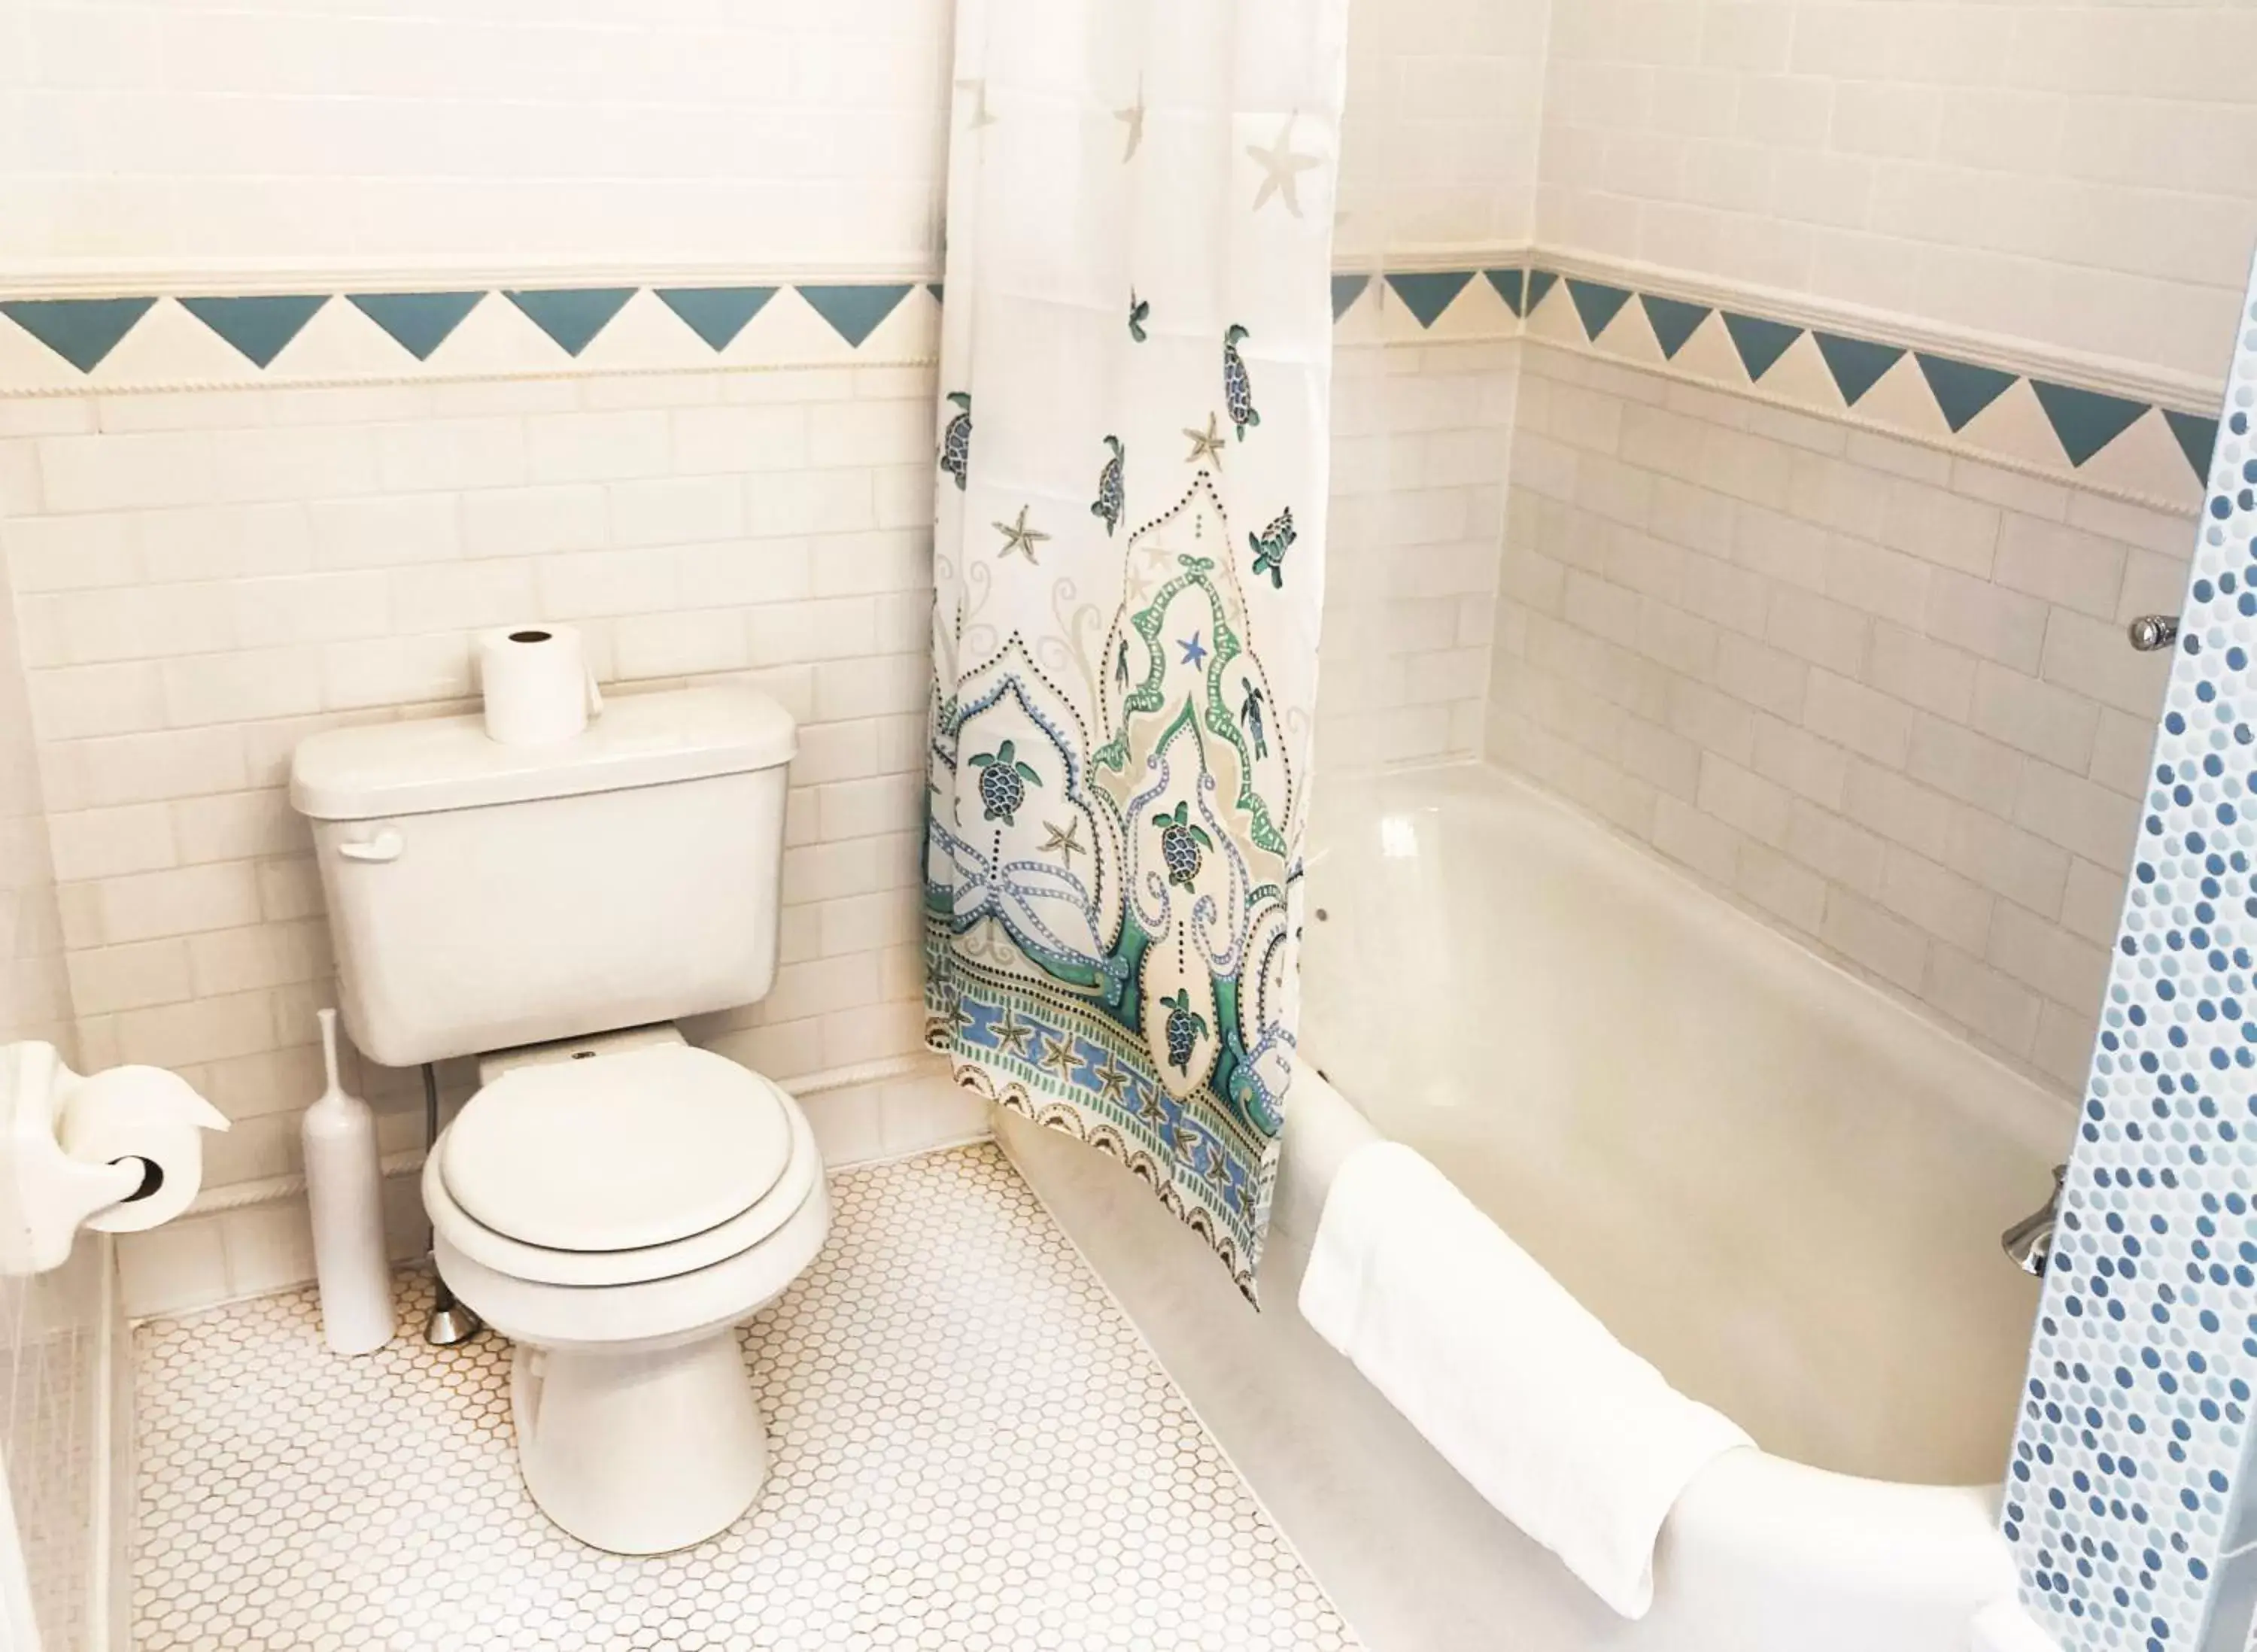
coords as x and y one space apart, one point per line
145 1114
537 686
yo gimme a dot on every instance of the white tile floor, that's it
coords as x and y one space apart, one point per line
972 1448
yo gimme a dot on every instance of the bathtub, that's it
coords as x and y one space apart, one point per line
1778 1184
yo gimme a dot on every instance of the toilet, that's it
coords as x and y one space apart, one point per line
613 1200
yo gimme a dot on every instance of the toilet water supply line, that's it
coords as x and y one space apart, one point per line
449 1322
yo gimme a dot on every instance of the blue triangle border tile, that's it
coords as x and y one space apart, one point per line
1673 321
854 308
572 316
81 331
1426 293
1597 304
2197 439
1962 389
1758 340
418 322
716 314
1856 365
259 326
2084 421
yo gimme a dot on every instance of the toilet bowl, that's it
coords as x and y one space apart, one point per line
617 1208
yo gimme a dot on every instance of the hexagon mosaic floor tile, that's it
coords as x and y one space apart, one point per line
972 1447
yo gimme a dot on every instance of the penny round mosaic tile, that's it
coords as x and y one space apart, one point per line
972 1447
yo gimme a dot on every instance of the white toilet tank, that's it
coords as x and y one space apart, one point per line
483 895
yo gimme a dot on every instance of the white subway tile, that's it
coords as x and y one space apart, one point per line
83 702
534 521
677 510
103 843
242 687
2034 716
1936 899
1895 950
2001 1009
183 900
679 643
385 530
429 456
2062 565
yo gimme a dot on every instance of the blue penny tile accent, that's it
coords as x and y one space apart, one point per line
1962 389
1512 286
1597 304
1346 290
572 316
2086 421
715 314
1855 363
418 322
81 331
2124 1500
258 326
1539 283
1759 341
854 312
2197 438
1427 294
1673 321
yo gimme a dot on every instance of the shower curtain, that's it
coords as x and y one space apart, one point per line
1135 365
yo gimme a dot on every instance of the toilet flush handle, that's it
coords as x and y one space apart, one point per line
385 845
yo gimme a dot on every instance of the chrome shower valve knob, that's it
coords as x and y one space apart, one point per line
2151 633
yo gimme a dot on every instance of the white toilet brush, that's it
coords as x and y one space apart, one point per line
344 1186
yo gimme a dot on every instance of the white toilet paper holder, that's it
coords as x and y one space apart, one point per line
54 1195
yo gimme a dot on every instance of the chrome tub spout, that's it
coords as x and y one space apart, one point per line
2028 1244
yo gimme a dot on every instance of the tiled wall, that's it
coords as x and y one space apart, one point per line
2065 173
418 135
1878 692
50 1324
1421 439
34 991
428 133
1439 143
204 579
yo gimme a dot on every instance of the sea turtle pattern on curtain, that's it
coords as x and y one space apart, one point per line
1135 379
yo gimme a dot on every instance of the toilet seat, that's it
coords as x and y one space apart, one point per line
620 1153
801 1182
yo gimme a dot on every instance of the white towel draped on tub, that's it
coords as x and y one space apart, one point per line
1575 1439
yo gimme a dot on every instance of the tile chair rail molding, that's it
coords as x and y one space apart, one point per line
2106 426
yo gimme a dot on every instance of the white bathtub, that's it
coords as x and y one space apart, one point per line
1779 1185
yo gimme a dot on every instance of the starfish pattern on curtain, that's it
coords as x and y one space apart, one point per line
1135 370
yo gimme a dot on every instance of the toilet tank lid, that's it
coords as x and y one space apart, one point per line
421 765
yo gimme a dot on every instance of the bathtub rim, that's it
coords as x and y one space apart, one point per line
2044 1119
1838 1536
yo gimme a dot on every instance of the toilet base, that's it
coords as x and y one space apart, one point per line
640 1449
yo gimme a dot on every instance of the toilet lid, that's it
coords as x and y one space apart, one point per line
619 1151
